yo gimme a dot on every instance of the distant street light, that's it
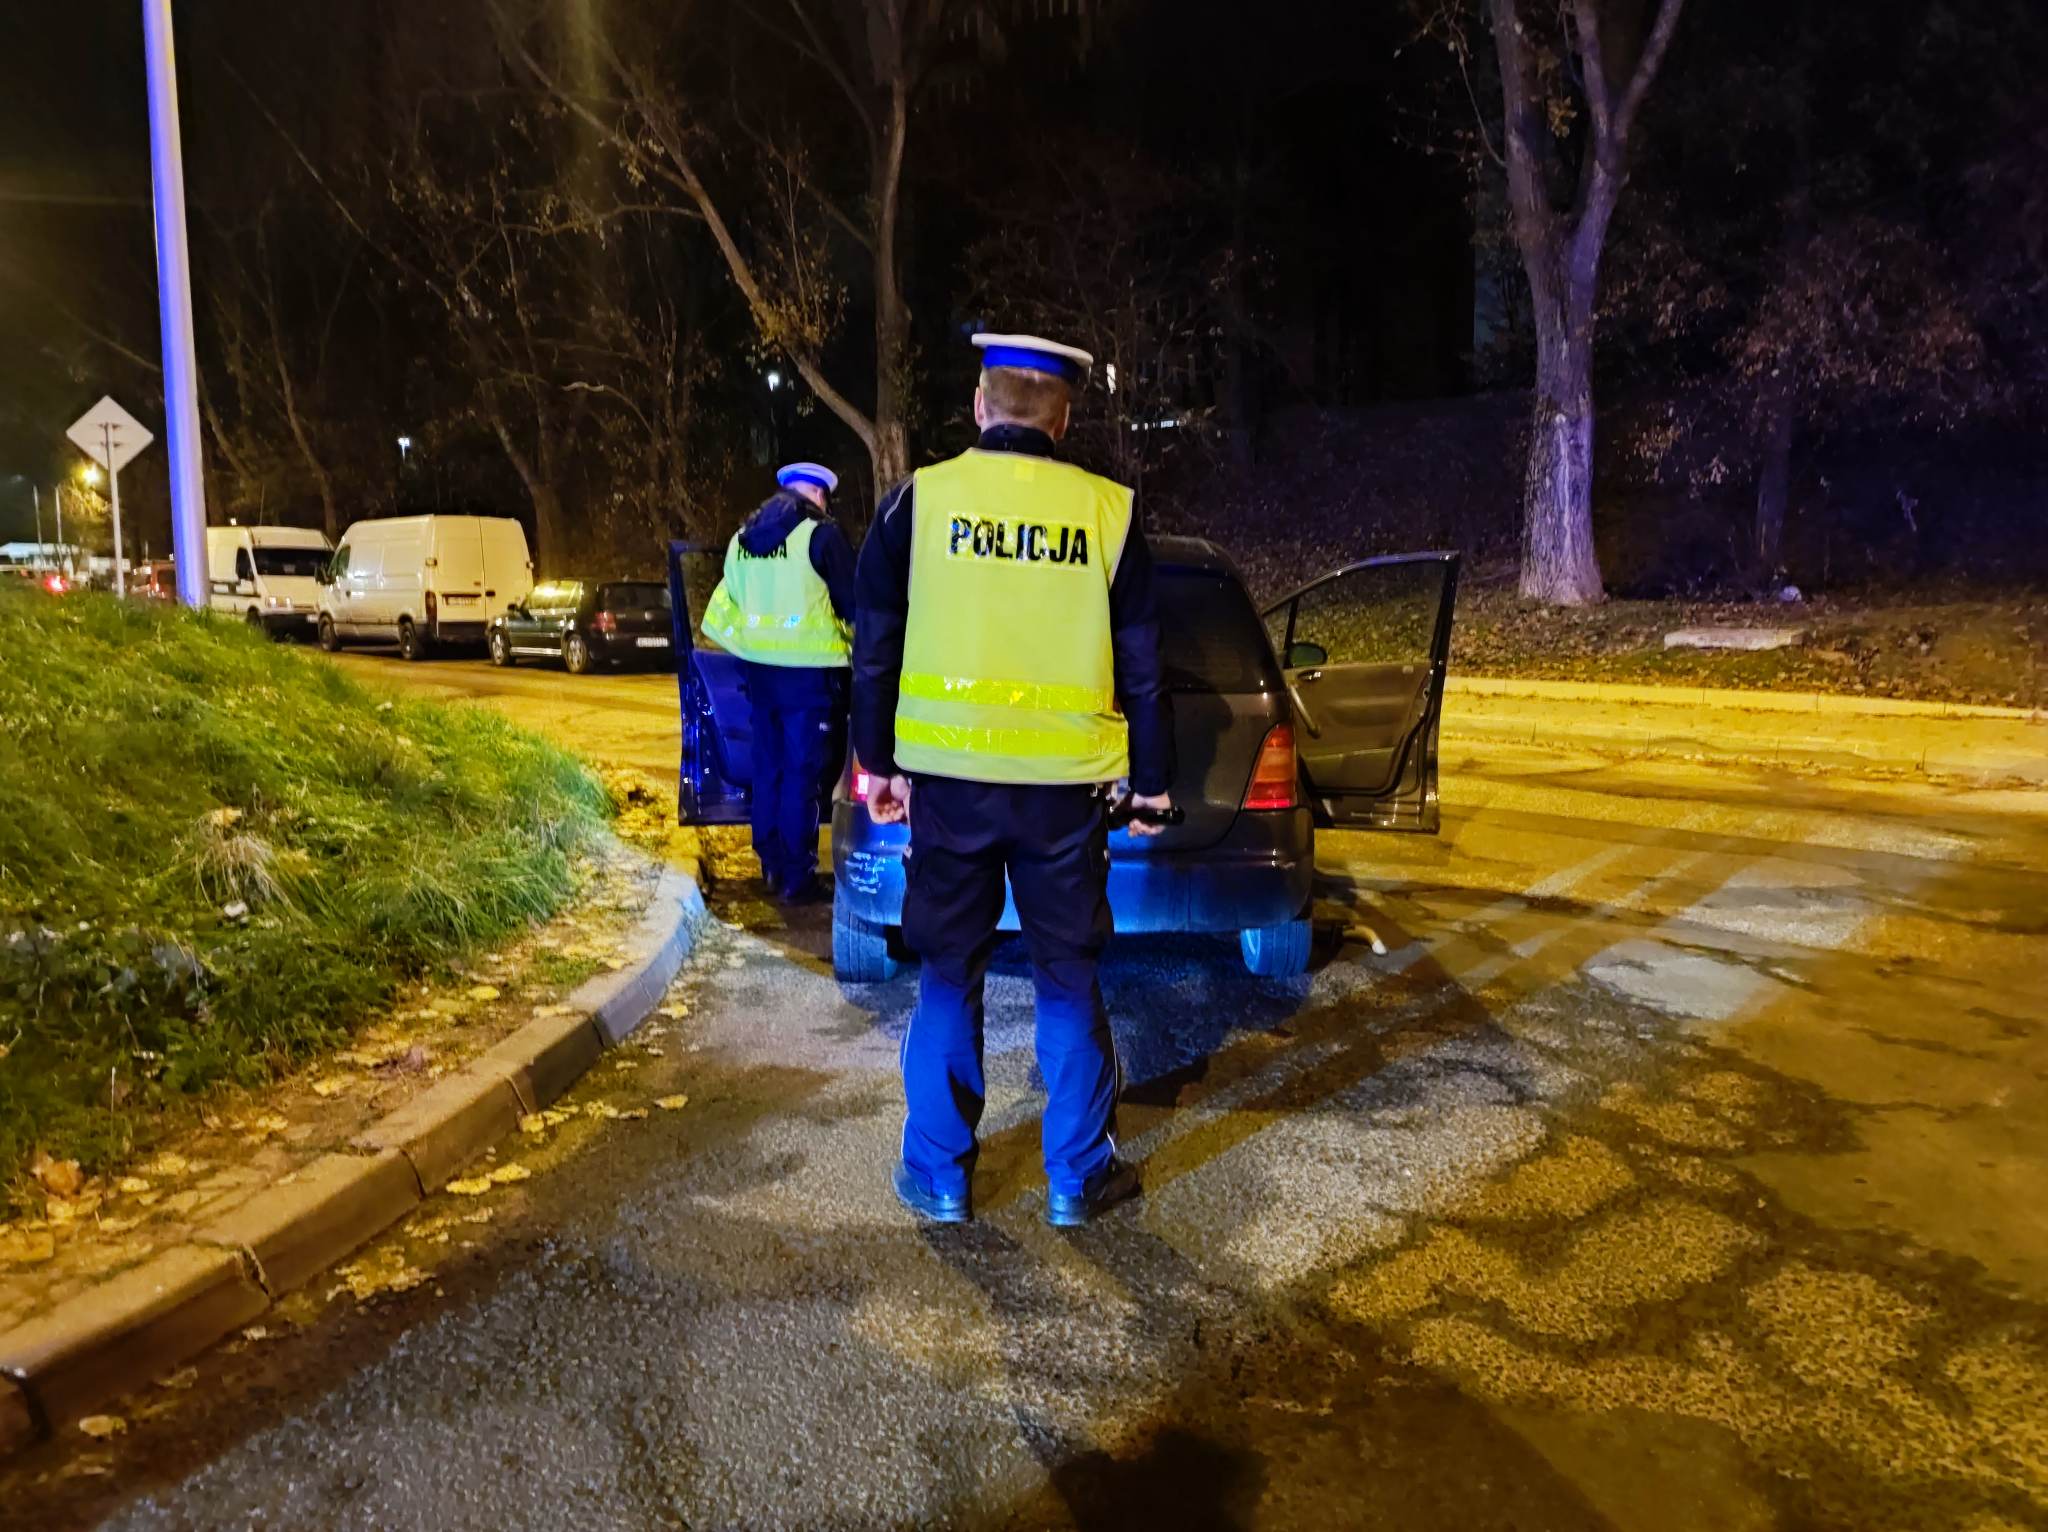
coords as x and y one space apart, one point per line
774 381
404 447
90 472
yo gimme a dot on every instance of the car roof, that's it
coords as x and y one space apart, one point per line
1193 553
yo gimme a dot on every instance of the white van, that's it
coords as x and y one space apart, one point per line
420 580
267 576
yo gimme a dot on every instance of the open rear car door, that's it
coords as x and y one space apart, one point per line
1365 649
718 738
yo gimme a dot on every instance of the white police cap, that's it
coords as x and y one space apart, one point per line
1036 354
807 473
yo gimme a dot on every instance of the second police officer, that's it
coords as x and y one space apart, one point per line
785 608
1006 670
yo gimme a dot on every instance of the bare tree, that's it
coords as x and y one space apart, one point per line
275 354
1573 80
875 59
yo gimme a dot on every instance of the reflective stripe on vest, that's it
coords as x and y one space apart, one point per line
776 609
1008 669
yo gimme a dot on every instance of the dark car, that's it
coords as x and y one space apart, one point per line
586 624
1323 710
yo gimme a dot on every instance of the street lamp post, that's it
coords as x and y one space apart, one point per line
174 304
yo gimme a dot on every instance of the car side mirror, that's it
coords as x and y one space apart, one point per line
1302 656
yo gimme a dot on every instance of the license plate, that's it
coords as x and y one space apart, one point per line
651 643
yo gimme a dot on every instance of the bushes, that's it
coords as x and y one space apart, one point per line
216 854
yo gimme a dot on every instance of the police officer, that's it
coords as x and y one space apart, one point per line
1006 613
785 608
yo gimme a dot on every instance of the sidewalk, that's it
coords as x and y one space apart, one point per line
129 1275
1795 731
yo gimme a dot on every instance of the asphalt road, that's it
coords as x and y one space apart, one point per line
1657 1148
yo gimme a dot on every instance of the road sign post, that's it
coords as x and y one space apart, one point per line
112 438
174 305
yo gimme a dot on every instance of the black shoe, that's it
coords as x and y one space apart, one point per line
1114 1183
810 891
935 1206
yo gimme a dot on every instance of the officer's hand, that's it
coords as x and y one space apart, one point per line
889 800
1149 801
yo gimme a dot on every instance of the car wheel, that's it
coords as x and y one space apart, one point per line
253 619
330 636
1277 952
860 952
576 654
410 645
501 651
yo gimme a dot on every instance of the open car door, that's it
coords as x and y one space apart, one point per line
718 739
1365 649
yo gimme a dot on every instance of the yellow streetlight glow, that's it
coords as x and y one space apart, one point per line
90 472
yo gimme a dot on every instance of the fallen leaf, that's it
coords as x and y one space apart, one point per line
482 1215
60 1177
549 1012
27 1247
267 1124
117 1225
533 1122
130 1185
168 1164
184 1377
505 1173
256 1333
615 964
472 1186
222 819
332 1085
103 1426
675 1012
673 1103
483 992
61 1213
633 1114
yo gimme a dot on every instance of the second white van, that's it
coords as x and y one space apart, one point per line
421 580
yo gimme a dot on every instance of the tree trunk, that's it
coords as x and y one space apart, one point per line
541 494
1774 478
1559 566
889 448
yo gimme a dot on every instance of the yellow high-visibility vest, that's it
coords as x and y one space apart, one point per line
1008 670
776 609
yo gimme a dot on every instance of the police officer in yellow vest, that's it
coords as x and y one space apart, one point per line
1006 667
785 607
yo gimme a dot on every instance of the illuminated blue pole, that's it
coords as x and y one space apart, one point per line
174 302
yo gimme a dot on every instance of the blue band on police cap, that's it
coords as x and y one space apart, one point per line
1036 361
807 473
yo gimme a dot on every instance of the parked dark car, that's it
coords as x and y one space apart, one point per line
1323 710
587 625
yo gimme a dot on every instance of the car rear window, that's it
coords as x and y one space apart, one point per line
1211 638
628 597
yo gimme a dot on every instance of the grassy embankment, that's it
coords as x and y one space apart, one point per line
217 854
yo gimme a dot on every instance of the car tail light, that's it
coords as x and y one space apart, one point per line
605 622
1274 778
863 782
54 585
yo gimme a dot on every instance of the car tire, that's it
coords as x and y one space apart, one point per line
576 654
501 650
410 645
330 636
253 619
1277 952
860 952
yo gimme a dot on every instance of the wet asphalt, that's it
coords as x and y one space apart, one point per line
1656 1148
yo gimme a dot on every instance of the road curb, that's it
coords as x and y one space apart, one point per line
119 1335
1731 698
1793 731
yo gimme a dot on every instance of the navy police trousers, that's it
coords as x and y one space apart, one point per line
1052 843
799 722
